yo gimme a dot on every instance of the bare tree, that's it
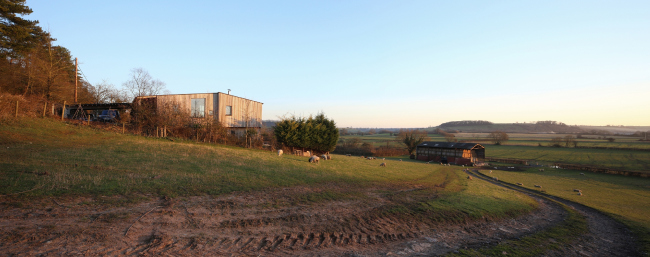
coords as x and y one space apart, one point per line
142 84
498 137
106 92
569 140
412 138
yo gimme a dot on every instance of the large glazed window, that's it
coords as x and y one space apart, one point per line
198 107
228 110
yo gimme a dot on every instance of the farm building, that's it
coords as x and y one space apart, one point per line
449 152
235 113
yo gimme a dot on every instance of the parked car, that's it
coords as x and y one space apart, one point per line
109 116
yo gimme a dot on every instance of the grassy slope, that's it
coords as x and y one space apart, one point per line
626 198
80 161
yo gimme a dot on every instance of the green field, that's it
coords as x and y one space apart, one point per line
626 198
44 158
615 159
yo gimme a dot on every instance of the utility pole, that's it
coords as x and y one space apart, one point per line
75 79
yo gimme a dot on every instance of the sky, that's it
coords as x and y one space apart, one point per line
384 64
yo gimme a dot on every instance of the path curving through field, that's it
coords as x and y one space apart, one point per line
606 236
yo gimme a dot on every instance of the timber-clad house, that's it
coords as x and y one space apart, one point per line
235 113
450 152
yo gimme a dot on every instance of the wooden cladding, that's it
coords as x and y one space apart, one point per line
243 113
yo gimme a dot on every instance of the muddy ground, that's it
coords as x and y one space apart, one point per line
243 224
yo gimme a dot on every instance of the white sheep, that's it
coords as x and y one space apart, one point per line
490 172
280 152
538 186
582 174
520 184
314 159
400 159
324 157
383 164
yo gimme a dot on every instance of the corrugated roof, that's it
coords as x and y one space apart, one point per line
450 145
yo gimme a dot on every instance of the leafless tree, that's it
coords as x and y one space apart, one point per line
498 137
142 84
106 92
569 140
412 138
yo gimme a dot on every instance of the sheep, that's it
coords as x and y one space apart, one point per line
538 186
541 170
520 184
324 157
495 178
577 190
400 159
383 164
363 157
469 177
580 193
314 159
490 172
280 152
383 159
329 157
348 155
582 174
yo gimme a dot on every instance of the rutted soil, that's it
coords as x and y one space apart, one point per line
243 224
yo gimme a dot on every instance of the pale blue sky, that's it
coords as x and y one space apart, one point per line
378 63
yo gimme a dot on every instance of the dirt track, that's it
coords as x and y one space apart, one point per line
249 224
606 236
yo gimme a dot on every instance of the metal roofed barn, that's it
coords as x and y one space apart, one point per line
450 152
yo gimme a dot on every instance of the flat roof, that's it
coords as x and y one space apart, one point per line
201 93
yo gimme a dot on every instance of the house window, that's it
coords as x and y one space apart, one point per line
198 107
228 110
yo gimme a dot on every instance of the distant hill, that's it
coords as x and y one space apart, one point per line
486 126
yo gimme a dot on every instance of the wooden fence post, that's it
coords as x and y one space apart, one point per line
16 114
63 110
122 127
44 108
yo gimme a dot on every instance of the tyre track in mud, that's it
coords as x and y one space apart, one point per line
234 226
606 236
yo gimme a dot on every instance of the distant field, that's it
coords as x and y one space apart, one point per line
616 159
525 146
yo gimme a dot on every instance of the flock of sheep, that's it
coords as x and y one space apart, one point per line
316 159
